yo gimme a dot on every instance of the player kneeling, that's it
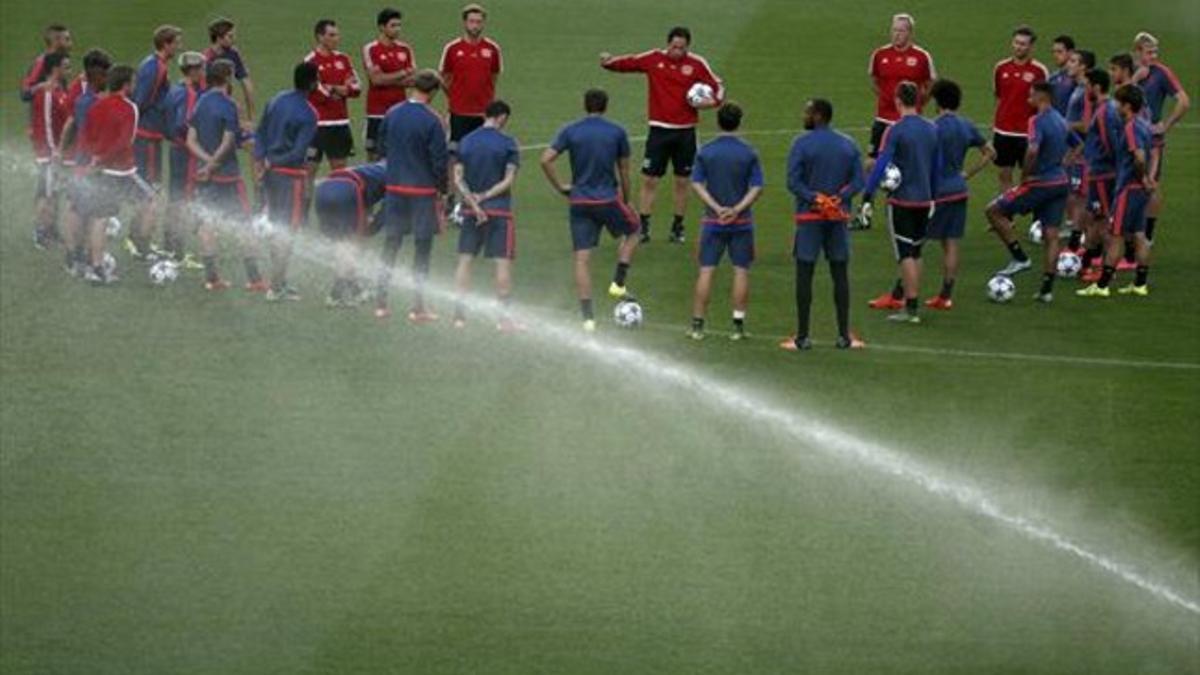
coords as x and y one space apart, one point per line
728 179
344 203
487 167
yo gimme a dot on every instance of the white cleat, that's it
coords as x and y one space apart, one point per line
1015 267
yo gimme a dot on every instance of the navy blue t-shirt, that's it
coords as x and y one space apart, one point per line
728 167
956 135
485 155
595 145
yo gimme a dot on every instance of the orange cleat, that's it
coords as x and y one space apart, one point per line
940 303
1125 265
793 345
510 326
217 285
382 312
886 301
1091 275
421 316
260 286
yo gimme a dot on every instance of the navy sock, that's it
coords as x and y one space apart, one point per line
619 275
1142 272
1106 276
585 308
1047 283
1017 252
898 290
1150 222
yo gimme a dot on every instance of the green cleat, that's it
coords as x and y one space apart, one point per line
1092 291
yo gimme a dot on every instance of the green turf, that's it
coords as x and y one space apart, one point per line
206 484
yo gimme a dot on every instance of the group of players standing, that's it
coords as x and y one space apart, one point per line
1093 158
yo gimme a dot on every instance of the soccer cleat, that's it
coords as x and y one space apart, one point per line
131 247
421 316
189 262
459 323
886 301
1014 267
216 285
509 326
1092 291
282 294
850 341
1134 289
382 312
739 334
1090 275
260 286
1124 265
1044 298
41 239
904 317
617 291
589 325
677 236
645 238
696 335
940 303
795 344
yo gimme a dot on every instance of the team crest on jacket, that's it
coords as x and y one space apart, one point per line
339 65
487 53
912 60
1028 77
686 69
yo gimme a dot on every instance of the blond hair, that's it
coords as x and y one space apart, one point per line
164 35
907 18
1144 39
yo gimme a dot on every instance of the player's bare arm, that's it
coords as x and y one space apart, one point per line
464 191
623 177
1182 103
986 154
549 155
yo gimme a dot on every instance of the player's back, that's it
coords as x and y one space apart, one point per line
213 115
913 142
956 135
485 155
595 144
1049 131
285 130
1102 137
150 94
1159 84
414 143
1135 135
373 179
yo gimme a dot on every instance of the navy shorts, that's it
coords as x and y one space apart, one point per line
495 237
340 211
147 153
1129 212
224 197
1047 203
949 220
1075 175
715 240
814 236
284 191
182 165
1100 195
418 215
589 219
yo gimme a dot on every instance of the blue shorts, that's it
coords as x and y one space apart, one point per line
496 237
284 191
147 153
340 212
814 236
1129 211
1047 203
225 196
716 239
178 186
1100 195
949 220
1075 176
418 215
589 219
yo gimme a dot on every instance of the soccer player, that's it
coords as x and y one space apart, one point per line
57 38
1135 183
1043 190
824 173
1078 114
1158 83
948 224
597 193
912 145
96 64
670 73
150 95
1012 79
414 142
286 131
338 82
1120 70
469 66
1100 142
728 179
181 101
213 130
488 160
50 115
108 137
222 35
345 201
389 63
1061 80
901 60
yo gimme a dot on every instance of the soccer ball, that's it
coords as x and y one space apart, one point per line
628 314
1001 288
261 226
164 272
699 94
1035 232
109 265
891 178
458 215
1069 265
112 227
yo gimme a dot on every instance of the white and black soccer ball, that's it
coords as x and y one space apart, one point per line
699 94
261 226
109 264
628 314
164 272
1035 232
1001 289
112 227
891 178
1069 264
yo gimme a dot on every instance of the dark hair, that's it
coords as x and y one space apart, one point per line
823 108
96 59
680 31
473 8
322 26
427 81
52 30
52 61
1122 60
496 109
907 93
1066 41
164 35
729 116
386 15
119 76
1087 57
1026 31
1043 87
1099 77
595 101
220 72
1131 95
219 28
304 76
947 93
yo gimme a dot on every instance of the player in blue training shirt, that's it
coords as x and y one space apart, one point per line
413 139
1043 190
220 193
948 224
728 179
344 202
149 95
285 131
1100 170
1061 81
824 173
181 101
1158 83
911 144
487 165
1135 184
599 152
1078 114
